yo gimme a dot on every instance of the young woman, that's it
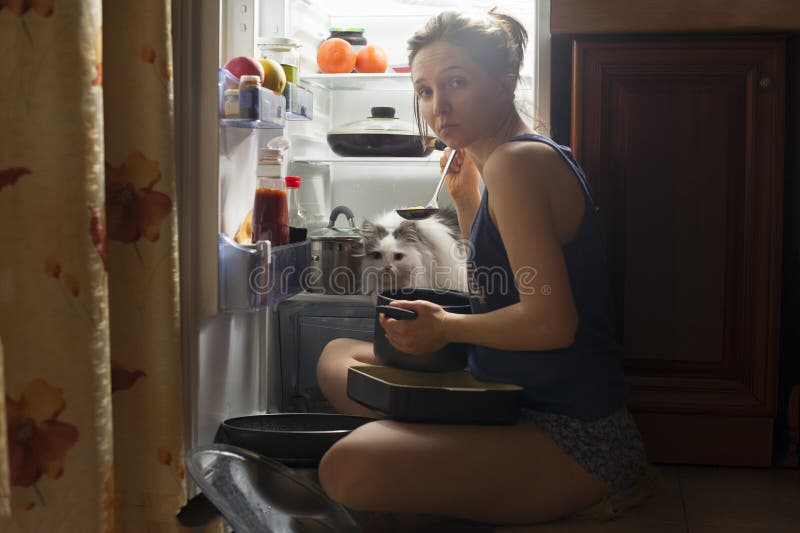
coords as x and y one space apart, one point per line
550 331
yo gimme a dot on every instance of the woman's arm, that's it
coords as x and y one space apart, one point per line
462 184
518 177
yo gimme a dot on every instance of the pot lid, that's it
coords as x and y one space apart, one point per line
382 120
332 232
255 493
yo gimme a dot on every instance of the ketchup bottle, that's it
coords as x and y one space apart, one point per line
270 207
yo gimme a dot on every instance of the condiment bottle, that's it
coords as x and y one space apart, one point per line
298 229
270 207
231 105
248 97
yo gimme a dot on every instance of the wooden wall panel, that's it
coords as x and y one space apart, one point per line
639 16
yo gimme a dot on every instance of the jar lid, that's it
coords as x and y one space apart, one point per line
351 30
231 92
250 77
270 155
278 41
293 182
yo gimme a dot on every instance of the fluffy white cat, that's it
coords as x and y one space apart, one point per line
424 253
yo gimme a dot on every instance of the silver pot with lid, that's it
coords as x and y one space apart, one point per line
337 255
380 134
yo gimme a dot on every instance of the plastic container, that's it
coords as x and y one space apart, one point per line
298 228
354 36
284 51
270 207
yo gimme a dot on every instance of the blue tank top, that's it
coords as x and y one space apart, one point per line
584 380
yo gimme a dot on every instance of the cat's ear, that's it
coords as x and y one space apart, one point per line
368 229
407 231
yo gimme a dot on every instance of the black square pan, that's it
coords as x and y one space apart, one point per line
433 397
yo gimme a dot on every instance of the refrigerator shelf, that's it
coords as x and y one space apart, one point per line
358 82
255 276
430 160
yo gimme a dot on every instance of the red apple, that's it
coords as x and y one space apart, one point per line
244 66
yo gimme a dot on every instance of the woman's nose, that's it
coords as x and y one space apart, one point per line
441 105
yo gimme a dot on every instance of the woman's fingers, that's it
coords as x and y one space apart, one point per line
455 166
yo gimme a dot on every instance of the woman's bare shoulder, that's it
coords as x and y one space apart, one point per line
533 163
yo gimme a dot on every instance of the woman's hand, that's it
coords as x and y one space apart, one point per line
424 334
462 176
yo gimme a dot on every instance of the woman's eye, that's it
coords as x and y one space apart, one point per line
424 92
376 255
458 82
398 257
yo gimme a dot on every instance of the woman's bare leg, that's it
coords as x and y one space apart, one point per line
336 358
495 474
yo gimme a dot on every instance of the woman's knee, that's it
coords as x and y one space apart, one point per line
343 474
331 358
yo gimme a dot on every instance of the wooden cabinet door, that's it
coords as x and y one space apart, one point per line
682 141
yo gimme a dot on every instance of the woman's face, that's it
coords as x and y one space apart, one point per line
457 97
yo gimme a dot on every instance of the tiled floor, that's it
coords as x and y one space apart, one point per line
700 499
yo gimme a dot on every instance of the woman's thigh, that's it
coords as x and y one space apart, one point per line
496 474
337 356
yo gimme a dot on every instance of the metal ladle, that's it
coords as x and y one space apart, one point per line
419 213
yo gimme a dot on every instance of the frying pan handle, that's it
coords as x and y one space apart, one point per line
398 313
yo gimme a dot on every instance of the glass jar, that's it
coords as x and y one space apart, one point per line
270 207
298 229
354 36
248 97
284 51
230 107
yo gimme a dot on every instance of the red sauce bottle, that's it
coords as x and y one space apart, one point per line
270 212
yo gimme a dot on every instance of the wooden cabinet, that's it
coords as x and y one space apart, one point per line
682 141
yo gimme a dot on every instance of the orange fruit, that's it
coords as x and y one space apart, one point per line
336 56
371 58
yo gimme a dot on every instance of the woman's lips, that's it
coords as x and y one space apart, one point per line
447 128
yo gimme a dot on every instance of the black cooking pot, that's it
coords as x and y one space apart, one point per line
450 357
381 134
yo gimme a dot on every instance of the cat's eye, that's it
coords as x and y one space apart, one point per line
376 255
398 257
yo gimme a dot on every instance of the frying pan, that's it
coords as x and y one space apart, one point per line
294 439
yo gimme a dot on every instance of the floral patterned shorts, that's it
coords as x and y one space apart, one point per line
610 448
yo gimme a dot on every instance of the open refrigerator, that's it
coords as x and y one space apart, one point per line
246 355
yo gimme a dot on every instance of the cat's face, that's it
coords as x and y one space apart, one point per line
394 257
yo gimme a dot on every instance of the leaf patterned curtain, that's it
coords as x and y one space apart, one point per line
91 429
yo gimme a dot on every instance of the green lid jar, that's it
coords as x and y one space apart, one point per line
354 36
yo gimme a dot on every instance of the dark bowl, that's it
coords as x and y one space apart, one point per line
450 357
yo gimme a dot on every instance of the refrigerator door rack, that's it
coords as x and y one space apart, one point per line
256 276
272 109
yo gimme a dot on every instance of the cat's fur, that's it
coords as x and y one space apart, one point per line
424 253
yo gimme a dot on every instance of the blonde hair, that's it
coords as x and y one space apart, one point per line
497 43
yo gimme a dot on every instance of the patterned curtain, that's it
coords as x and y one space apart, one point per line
91 431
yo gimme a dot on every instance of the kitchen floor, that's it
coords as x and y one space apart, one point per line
704 499
688 499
